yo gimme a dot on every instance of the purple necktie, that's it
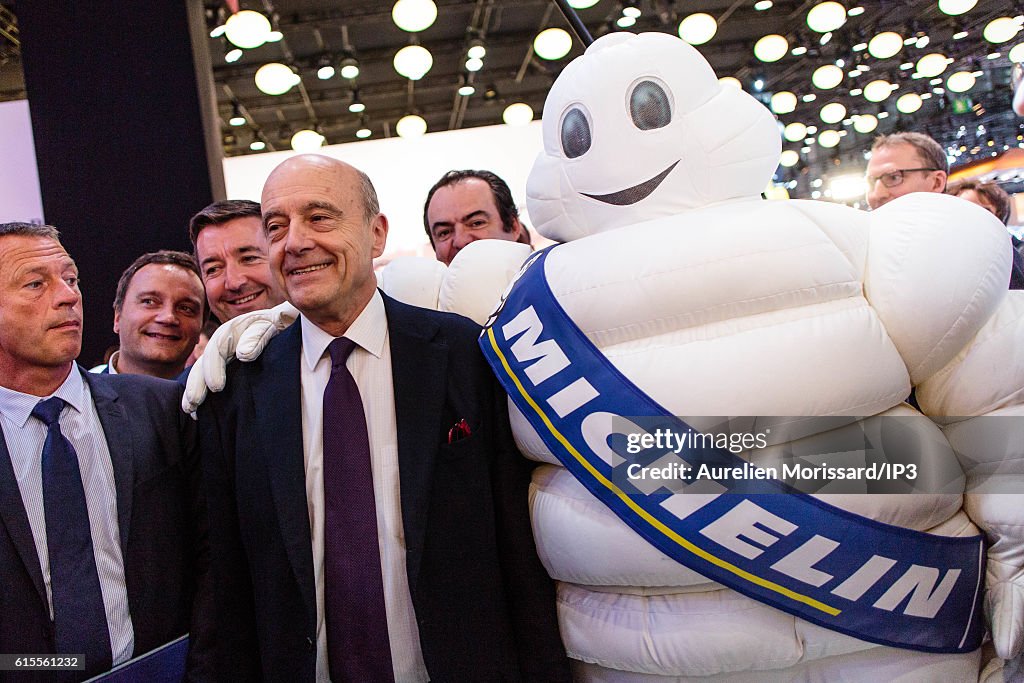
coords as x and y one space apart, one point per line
358 649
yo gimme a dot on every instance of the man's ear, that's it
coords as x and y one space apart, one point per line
379 230
117 321
517 229
940 181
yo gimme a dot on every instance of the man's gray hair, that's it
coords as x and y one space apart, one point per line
930 151
29 230
371 205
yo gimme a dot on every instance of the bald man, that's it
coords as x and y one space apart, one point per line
370 513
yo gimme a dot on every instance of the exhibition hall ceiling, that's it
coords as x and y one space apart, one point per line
313 34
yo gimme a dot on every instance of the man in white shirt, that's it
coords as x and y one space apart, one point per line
102 527
369 515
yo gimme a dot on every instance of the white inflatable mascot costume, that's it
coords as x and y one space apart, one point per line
713 302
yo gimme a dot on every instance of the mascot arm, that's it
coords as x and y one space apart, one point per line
937 268
979 395
478 276
413 280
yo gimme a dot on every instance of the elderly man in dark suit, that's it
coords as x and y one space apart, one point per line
101 522
369 516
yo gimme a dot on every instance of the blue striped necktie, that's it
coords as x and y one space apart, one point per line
79 619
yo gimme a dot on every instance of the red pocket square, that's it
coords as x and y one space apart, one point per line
460 430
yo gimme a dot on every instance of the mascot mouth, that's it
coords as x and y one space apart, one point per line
631 195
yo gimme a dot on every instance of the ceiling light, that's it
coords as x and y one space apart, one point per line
1001 30
236 116
217 31
414 15
783 102
307 141
794 131
906 66
829 138
825 37
860 47
349 68
762 5
827 77
552 43
771 48
474 64
826 16
912 40
625 22
789 158
363 133
247 29
960 35
876 91
994 55
413 62
956 7
883 114
232 55
856 91
476 50
833 112
466 90
848 186
1016 54
325 72
257 145
810 97
885 45
855 12
518 114
731 82
698 28
923 41
356 106
811 130
865 123
275 78
909 103
798 50
931 65
961 81
631 11
411 126
582 4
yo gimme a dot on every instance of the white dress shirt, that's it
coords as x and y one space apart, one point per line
80 424
370 365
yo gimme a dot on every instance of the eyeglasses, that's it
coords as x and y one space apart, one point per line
894 178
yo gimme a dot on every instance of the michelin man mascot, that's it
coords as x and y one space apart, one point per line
677 291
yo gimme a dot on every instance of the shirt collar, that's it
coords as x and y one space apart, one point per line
112 363
17 407
369 331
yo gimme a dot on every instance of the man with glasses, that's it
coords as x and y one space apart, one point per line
902 163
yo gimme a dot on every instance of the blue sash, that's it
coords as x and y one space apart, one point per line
876 582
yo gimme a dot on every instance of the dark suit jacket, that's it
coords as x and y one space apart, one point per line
160 513
484 604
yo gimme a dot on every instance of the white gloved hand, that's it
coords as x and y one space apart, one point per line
243 337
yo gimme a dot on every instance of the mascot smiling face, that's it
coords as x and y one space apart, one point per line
640 128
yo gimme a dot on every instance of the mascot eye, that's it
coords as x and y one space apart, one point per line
649 106
575 134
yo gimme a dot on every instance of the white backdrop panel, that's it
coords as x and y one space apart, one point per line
20 198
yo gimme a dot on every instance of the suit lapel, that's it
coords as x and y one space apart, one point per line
15 520
117 431
277 399
418 367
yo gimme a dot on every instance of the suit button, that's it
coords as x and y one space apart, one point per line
310 645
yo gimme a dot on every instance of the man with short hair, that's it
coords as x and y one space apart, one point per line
102 525
369 510
231 250
464 206
159 310
902 163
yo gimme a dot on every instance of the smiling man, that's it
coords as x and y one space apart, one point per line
159 310
465 206
369 510
231 250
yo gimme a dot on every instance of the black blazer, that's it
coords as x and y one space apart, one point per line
160 516
484 604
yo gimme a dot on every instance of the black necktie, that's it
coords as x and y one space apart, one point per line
358 648
79 619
